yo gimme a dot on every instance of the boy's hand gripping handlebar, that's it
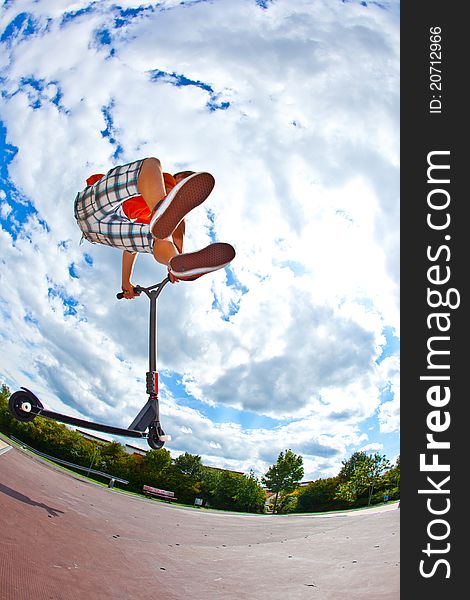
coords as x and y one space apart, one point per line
137 290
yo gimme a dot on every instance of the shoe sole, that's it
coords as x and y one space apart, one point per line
193 191
213 257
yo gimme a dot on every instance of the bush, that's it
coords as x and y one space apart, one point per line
287 503
319 496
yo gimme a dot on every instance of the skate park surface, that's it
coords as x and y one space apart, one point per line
64 537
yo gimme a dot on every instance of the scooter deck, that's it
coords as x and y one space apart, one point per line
49 414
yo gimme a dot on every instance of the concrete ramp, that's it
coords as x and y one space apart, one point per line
63 538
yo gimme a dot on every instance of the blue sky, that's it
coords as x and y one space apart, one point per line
297 343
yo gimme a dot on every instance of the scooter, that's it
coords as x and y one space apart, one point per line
25 406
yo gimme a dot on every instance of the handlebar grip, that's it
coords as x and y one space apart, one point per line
120 296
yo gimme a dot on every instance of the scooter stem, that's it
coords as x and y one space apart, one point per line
153 295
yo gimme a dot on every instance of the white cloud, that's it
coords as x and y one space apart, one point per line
389 411
372 448
5 208
306 167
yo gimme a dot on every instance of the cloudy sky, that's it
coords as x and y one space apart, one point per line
293 106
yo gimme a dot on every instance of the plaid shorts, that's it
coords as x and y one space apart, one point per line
99 214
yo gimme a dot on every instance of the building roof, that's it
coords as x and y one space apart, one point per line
90 436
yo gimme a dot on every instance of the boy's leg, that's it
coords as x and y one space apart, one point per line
150 182
164 251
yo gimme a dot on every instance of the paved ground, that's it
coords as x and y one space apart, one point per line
65 538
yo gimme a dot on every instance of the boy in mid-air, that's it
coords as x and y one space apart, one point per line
139 208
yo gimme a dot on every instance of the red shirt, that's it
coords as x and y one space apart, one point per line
136 208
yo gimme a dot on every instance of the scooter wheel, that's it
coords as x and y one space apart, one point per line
153 439
22 405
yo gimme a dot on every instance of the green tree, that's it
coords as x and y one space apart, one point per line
157 460
157 467
5 416
209 483
189 465
187 472
249 495
349 466
364 477
285 475
228 484
389 483
111 458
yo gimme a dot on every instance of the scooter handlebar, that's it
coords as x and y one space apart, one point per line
139 289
